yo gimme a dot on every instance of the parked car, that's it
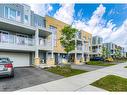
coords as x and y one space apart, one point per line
6 67
97 59
110 59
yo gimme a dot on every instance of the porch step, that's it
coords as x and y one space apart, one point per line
46 65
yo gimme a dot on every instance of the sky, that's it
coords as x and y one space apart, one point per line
106 20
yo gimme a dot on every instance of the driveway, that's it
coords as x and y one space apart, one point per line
86 67
27 77
82 81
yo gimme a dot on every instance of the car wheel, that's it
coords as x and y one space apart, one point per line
12 74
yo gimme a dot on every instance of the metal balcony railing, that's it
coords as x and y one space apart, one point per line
14 39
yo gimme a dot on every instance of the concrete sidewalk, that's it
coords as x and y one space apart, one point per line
81 82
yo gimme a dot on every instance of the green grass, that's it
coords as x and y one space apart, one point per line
65 71
112 83
125 67
100 63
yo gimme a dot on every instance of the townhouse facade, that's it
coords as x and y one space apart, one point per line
97 43
24 37
113 48
83 41
27 38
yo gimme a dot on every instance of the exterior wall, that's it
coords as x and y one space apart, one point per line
20 26
112 49
88 37
17 7
58 47
97 43
59 25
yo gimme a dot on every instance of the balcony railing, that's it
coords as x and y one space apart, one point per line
44 42
79 47
14 39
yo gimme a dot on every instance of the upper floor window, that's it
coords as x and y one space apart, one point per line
12 14
26 19
79 35
54 31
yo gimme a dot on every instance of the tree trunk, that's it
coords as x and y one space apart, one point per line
67 57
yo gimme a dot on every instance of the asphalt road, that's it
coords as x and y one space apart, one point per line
27 77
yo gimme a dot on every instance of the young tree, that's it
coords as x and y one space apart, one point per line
105 52
117 52
67 39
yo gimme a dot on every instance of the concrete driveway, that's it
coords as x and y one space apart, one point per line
86 67
27 77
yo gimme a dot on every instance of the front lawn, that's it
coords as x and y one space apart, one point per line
65 71
100 63
125 67
112 83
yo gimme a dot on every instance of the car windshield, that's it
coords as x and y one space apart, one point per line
4 60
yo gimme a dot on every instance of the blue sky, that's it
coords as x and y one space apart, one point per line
106 20
119 11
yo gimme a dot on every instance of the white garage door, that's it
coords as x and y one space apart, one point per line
19 59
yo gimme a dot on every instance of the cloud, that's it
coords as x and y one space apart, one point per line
119 35
65 13
106 29
41 9
93 24
97 16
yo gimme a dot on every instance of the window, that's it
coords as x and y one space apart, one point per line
18 17
54 31
26 19
79 34
6 12
12 14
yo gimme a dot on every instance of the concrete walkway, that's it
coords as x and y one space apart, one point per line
87 67
81 82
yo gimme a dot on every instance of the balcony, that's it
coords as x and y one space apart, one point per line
45 44
12 25
14 42
96 51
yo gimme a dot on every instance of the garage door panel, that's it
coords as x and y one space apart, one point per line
19 59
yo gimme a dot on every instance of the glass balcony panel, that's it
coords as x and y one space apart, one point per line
13 39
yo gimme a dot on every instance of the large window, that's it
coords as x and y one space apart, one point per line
12 14
6 12
26 19
79 34
54 31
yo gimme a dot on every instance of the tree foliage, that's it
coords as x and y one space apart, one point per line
105 52
67 38
117 52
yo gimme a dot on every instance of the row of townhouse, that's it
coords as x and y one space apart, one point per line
113 48
97 45
27 38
